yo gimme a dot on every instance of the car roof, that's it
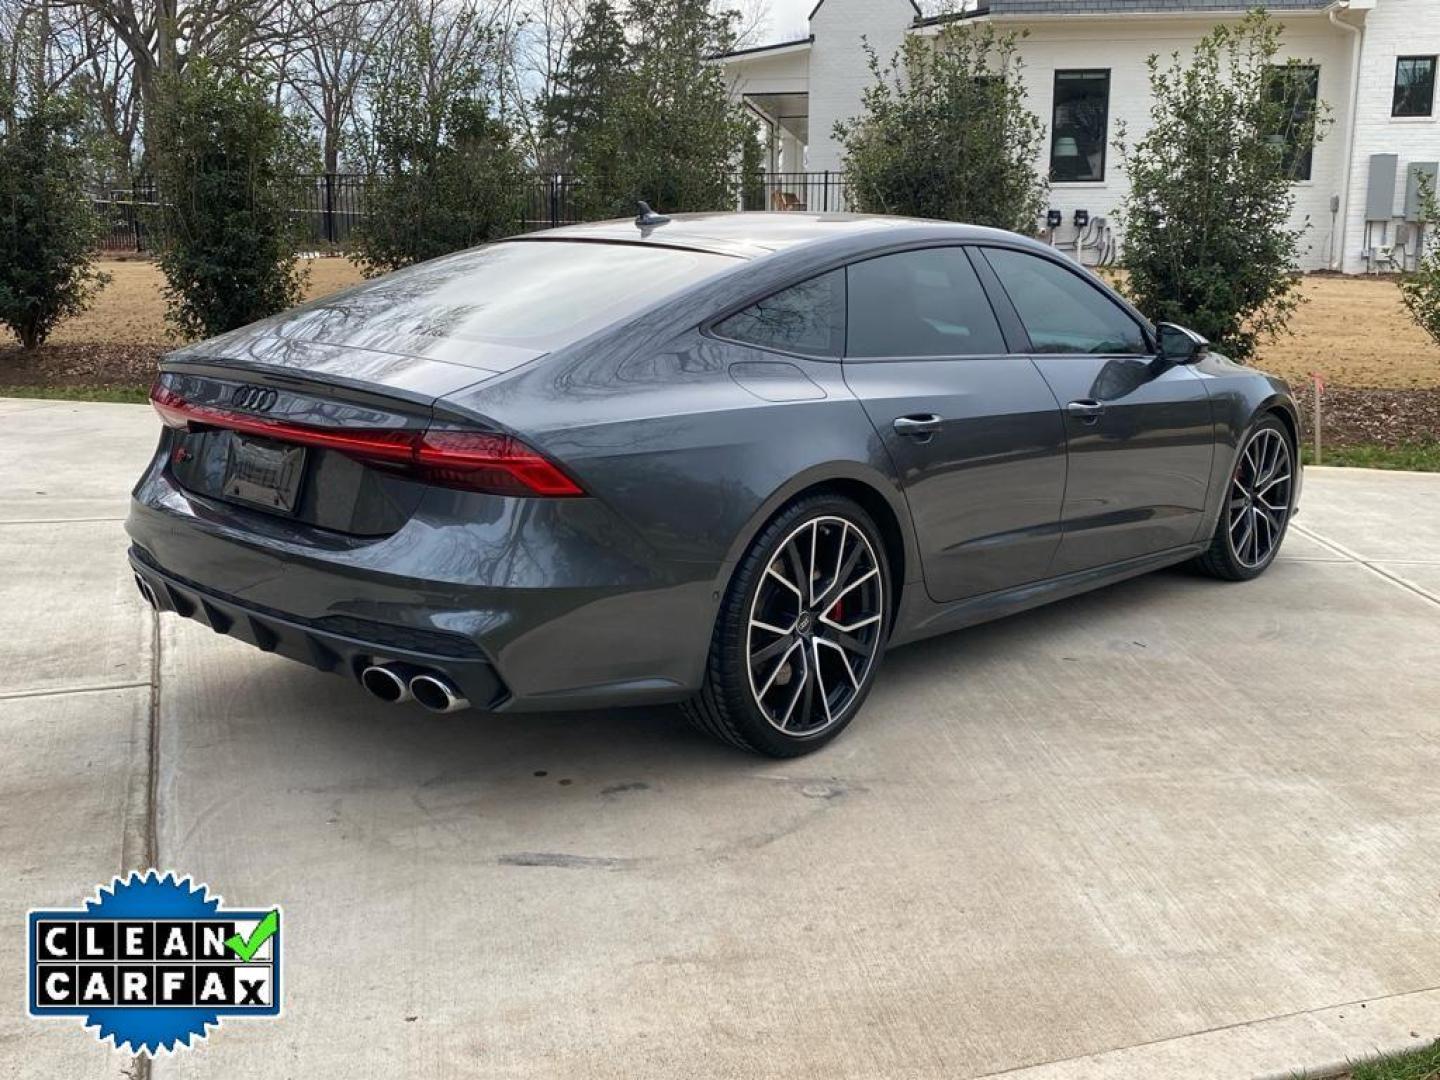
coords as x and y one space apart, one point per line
758 233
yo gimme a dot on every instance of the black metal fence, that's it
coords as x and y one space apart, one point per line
823 192
328 206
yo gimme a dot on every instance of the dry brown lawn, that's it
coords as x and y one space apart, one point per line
1353 331
131 309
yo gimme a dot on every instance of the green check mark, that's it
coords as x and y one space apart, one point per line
244 948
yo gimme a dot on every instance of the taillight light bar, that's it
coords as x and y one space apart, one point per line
470 460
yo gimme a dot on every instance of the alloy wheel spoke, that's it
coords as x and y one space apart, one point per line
814 570
820 681
775 648
772 572
779 667
1243 544
1270 483
802 689
771 628
844 659
831 601
842 575
851 627
846 641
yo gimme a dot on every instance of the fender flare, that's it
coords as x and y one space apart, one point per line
816 476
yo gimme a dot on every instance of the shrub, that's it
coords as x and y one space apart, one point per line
1207 239
226 161
658 123
1420 289
945 133
48 227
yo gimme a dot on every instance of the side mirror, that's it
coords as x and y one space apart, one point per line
1177 345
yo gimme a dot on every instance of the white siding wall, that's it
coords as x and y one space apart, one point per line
1394 28
837 76
838 71
1122 44
788 73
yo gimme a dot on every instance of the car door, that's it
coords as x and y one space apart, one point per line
1140 437
974 432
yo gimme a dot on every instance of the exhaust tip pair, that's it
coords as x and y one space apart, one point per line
395 684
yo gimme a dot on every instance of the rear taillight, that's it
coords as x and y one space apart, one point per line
471 460
486 462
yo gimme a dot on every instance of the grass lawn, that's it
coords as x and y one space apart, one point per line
136 394
1418 1065
1412 457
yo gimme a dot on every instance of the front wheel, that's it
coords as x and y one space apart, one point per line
1257 506
800 631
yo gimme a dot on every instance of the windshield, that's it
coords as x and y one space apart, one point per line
535 296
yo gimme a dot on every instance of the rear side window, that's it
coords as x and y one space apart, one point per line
807 318
541 294
1062 312
919 303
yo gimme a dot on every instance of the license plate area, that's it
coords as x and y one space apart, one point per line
264 473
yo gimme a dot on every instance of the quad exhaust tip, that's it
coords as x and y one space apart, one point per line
437 693
386 683
395 684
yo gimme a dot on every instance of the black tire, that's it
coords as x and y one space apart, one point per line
728 706
1230 556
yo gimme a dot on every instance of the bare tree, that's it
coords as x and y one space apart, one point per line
161 36
540 37
334 47
751 20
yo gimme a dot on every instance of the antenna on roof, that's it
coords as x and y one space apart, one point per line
648 218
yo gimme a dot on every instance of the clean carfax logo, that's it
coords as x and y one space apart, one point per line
150 962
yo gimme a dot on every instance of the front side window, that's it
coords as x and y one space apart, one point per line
1414 86
1295 90
808 318
1080 129
1061 311
920 303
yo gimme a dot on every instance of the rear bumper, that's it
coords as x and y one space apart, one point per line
527 604
319 645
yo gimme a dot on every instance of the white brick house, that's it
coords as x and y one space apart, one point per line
1376 67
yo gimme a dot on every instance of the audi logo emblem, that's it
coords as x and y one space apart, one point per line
254 398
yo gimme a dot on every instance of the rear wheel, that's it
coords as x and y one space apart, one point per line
1257 506
800 632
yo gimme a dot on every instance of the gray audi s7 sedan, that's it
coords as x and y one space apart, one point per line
719 459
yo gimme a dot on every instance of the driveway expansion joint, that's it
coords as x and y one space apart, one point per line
14 695
1371 565
1238 1024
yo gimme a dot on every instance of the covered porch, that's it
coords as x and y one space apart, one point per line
773 84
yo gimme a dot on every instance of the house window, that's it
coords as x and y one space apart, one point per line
1295 89
1080 128
1414 86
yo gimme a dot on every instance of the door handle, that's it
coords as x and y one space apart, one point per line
1086 411
920 426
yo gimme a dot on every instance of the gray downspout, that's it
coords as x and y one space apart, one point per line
1337 251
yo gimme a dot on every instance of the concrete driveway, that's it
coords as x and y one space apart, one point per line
1173 829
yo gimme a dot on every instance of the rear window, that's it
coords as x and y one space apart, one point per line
539 294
